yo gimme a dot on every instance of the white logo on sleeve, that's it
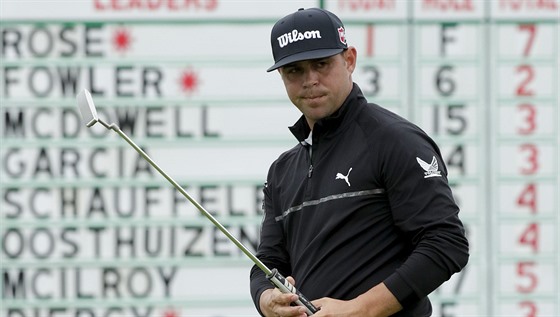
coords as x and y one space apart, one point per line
431 169
344 177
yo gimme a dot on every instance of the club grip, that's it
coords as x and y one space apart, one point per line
285 287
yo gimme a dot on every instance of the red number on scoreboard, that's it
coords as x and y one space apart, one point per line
532 307
528 198
530 237
524 270
530 124
532 159
522 89
370 40
532 29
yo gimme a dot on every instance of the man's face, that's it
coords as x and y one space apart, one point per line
318 87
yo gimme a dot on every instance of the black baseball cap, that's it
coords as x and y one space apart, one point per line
306 34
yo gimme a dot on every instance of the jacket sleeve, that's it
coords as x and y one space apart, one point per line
424 211
271 250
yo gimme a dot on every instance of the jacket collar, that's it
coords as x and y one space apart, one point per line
301 129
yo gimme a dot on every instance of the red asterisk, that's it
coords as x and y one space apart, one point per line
189 81
122 39
170 313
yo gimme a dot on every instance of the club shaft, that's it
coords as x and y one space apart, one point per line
208 215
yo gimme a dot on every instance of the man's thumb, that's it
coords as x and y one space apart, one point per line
291 280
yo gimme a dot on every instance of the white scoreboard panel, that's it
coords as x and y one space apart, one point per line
88 229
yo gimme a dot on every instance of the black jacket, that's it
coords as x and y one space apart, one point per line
372 204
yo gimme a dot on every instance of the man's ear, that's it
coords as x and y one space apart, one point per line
350 57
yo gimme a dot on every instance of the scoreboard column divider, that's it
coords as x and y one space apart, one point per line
411 74
557 103
488 168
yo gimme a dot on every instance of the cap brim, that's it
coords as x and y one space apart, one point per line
322 53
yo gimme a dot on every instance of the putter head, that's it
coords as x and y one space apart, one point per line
87 108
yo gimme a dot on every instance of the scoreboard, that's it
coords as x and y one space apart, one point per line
88 229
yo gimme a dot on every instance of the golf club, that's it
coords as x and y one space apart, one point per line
90 118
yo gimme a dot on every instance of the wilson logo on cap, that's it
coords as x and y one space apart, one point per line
296 35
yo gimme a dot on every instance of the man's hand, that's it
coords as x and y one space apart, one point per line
334 307
377 302
274 303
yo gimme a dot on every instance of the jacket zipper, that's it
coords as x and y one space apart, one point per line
309 152
310 170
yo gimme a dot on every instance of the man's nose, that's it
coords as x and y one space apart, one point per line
311 77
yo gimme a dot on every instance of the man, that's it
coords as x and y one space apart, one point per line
359 214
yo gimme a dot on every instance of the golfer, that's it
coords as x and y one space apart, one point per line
359 213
